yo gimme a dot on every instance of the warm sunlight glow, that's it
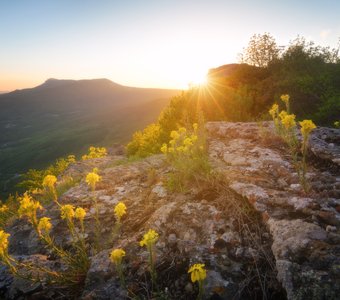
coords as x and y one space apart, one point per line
198 80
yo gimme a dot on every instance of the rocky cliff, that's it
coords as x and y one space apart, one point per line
258 233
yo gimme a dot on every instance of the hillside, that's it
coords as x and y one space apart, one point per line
61 117
258 234
313 85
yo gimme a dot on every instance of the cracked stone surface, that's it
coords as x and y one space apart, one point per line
304 227
292 238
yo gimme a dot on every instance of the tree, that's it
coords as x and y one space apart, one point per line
262 50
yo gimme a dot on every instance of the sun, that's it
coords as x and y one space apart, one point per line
190 78
187 74
198 80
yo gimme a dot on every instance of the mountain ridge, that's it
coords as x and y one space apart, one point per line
54 82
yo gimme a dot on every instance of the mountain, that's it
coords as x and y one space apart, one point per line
60 117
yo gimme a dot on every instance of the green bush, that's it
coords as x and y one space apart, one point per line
187 153
146 142
33 178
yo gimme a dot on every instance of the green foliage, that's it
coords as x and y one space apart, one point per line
8 210
261 50
33 178
145 142
328 109
187 154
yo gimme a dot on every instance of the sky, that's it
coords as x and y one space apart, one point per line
146 43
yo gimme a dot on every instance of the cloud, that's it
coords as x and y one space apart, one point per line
325 33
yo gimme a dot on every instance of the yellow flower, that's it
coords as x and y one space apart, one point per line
149 238
282 114
187 142
198 272
49 181
120 210
3 242
171 150
3 208
174 135
71 159
95 153
307 127
44 225
117 256
195 126
182 130
91 179
67 212
101 151
80 213
285 98
274 111
164 148
337 124
289 121
28 207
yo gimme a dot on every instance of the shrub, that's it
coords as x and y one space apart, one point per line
33 178
146 142
186 152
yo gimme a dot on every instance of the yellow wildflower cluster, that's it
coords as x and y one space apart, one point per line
282 119
49 181
117 256
274 111
3 243
28 207
285 98
120 210
95 152
71 159
91 179
181 141
198 272
282 114
285 125
3 208
80 213
337 124
149 238
67 212
307 127
288 121
44 225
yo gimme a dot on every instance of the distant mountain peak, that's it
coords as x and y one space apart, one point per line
51 80
54 82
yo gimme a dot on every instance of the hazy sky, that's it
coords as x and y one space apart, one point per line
144 42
